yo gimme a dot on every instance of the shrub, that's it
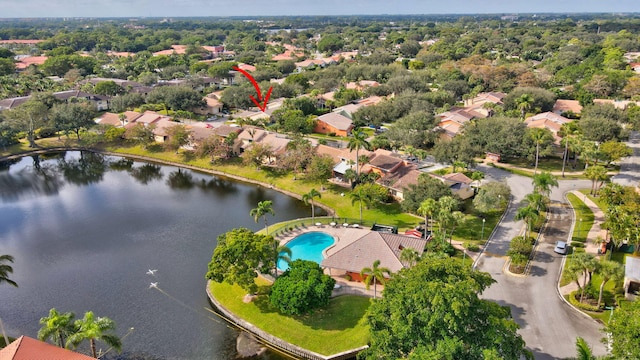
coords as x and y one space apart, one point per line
114 133
303 287
520 246
46 132
472 247
347 277
573 299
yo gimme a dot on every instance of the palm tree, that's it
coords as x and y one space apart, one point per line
446 205
308 199
536 200
529 214
123 119
409 256
427 208
597 174
476 176
543 182
350 175
282 253
358 141
56 327
359 195
583 349
539 137
264 208
609 270
587 263
5 270
567 132
375 274
524 103
92 329
457 218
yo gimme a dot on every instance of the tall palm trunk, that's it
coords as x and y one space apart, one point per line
375 287
535 170
564 156
93 347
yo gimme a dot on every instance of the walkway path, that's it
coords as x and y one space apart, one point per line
596 233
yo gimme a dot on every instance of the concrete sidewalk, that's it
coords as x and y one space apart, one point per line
596 233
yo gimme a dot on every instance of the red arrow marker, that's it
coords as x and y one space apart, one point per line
262 106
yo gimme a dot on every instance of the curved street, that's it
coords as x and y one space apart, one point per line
548 325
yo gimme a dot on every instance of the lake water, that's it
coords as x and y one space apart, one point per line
84 229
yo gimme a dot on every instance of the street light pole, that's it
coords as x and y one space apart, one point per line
483 221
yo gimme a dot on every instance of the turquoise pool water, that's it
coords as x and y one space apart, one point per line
308 246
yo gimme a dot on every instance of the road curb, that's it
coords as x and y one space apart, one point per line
495 228
564 260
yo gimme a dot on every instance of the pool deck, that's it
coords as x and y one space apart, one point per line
345 235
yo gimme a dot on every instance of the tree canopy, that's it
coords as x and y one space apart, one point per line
240 253
432 311
301 288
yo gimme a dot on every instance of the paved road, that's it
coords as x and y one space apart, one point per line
630 166
548 325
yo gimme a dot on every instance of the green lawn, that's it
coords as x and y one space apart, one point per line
547 164
580 231
339 327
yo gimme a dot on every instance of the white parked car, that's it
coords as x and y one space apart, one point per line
561 248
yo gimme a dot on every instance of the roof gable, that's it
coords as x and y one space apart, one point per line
336 121
26 348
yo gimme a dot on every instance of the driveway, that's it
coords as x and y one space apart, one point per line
630 166
548 325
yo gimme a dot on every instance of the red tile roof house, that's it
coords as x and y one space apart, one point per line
563 106
113 119
452 121
26 348
386 247
343 159
333 123
550 121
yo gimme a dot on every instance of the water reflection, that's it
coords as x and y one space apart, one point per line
146 173
84 228
87 169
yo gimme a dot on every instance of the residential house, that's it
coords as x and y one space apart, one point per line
26 61
618 104
631 277
213 105
453 120
309 64
362 84
459 184
333 123
26 348
348 110
399 181
635 67
550 121
343 159
113 119
383 163
563 106
100 102
361 253
160 128
252 135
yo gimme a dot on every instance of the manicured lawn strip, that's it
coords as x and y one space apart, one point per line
339 327
529 173
580 231
547 164
596 200
582 212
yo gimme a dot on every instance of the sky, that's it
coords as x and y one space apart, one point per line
177 8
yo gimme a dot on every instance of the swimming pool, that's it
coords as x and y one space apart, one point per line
308 246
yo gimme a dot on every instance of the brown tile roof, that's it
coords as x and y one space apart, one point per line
337 121
458 177
149 117
31 60
109 118
385 162
12 103
401 179
26 348
339 154
563 105
373 246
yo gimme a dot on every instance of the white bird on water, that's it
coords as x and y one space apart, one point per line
153 285
152 272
